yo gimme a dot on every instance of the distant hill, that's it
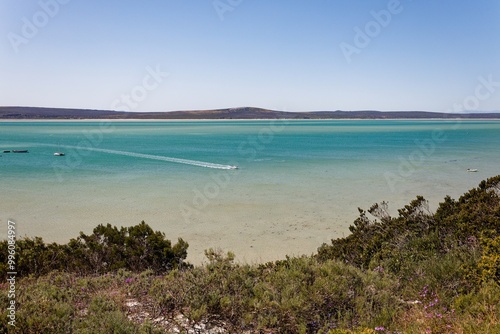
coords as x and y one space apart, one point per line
228 113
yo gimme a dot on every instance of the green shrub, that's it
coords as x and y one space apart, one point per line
107 249
489 265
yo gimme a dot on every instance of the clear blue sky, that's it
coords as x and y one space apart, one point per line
281 54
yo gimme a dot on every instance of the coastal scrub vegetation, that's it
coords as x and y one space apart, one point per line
107 249
418 272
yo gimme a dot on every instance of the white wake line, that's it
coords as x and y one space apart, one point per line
149 156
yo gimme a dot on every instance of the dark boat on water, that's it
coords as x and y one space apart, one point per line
19 151
6 151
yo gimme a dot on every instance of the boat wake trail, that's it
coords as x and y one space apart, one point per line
168 159
149 156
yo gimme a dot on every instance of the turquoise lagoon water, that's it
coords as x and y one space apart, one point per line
299 183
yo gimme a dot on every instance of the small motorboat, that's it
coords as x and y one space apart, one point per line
471 170
19 151
59 154
6 151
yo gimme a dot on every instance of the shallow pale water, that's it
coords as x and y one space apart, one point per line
299 183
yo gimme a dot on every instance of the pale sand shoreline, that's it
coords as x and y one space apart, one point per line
253 241
256 233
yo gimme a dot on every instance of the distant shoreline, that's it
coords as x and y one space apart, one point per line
127 120
243 113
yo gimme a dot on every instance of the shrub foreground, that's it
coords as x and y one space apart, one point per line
415 273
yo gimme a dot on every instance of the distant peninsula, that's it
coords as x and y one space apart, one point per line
16 112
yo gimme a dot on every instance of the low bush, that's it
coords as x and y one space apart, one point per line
107 249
